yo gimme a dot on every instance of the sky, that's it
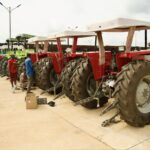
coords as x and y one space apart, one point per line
45 17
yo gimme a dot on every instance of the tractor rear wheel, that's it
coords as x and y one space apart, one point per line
46 76
4 68
37 70
132 90
1 63
42 75
84 85
66 77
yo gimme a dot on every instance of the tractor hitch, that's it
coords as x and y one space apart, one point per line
86 100
54 88
111 120
91 98
59 95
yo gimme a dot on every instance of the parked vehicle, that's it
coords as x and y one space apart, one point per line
54 74
124 75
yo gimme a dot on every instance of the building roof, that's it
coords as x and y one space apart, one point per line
119 25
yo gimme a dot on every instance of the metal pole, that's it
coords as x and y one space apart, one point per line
9 9
10 27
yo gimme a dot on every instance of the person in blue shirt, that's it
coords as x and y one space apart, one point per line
29 71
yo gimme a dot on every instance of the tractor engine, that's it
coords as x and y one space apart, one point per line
108 86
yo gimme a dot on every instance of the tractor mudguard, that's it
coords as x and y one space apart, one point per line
99 70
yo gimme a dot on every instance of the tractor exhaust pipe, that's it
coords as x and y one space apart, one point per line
95 41
145 39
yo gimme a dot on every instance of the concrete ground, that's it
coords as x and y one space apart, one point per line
64 127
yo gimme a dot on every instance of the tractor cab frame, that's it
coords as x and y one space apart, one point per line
37 41
119 25
51 75
107 64
62 57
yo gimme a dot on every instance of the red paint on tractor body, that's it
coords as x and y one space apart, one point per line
59 59
36 56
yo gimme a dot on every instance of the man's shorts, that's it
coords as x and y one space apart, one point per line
13 76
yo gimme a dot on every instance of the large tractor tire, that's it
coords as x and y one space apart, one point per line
36 71
66 77
44 68
1 62
4 68
132 90
83 85
48 77
1 65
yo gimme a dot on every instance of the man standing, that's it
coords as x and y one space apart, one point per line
12 68
29 71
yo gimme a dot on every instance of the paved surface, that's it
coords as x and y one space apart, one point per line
64 127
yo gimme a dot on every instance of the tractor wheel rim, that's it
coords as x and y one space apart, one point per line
91 85
143 95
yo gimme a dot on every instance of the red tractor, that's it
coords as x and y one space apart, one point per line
41 46
53 74
123 74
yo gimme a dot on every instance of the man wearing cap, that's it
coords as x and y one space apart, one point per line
29 71
12 68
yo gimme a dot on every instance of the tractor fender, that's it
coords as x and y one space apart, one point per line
58 62
99 70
